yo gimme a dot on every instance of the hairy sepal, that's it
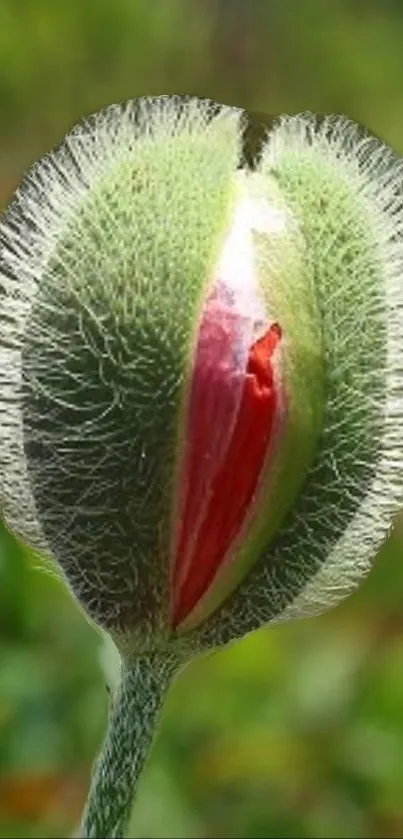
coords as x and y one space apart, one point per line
344 189
106 251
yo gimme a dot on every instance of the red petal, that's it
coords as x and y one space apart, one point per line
230 422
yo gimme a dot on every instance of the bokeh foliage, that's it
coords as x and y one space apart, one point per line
298 730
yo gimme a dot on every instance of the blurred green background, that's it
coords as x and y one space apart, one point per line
297 731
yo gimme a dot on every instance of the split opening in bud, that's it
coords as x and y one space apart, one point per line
231 416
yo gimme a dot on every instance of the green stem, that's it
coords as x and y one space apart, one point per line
131 728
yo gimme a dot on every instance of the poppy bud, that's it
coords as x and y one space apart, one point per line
200 382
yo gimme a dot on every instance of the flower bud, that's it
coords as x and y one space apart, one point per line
201 367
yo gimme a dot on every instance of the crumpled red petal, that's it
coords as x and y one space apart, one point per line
230 422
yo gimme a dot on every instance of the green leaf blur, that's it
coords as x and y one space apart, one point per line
298 730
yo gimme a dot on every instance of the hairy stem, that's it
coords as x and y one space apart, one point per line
131 728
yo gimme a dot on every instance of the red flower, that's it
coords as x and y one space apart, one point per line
229 429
